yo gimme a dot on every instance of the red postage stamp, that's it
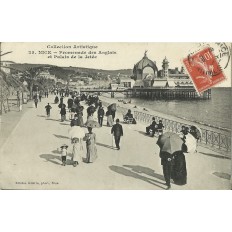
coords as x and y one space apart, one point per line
204 69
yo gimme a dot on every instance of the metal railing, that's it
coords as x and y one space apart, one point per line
211 138
219 140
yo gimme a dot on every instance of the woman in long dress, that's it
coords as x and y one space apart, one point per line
77 151
91 148
179 170
110 121
80 116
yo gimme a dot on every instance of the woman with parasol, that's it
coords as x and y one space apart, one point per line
172 158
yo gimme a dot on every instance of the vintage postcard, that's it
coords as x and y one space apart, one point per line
113 116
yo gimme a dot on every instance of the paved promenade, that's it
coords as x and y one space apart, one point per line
29 158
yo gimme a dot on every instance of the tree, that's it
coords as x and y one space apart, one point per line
31 75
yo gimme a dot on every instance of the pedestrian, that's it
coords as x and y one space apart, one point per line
72 113
77 151
179 170
61 100
100 114
36 102
109 119
70 104
79 111
63 113
91 148
74 121
48 108
193 132
113 114
167 162
117 132
160 127
46 94
40 96
56 100
151 127
90 110
64 153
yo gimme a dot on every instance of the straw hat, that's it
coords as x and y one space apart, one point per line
64 145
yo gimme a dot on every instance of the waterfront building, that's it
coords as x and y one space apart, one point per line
166 77
5 66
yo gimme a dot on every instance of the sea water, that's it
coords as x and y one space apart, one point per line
214 112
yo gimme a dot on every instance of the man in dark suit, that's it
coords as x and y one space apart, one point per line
151 127
117 131
100 115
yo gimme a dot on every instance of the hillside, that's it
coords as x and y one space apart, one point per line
72 70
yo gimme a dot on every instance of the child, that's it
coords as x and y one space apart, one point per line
64 153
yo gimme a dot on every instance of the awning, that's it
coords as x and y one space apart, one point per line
158 83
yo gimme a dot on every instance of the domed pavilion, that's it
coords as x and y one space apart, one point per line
140 66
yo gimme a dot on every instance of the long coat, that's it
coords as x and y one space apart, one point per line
117 130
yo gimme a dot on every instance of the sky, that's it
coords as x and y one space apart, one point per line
124 56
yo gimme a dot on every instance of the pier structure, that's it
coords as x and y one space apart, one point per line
152 93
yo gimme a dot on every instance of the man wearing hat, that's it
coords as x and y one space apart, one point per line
117 132
160 127
100 114
64 153
151 127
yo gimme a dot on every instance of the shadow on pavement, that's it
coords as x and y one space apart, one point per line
222 175
145 170
56 152
126 172
64 124
61 136
51 158
106 126
144 133
57 120
214 155
104 145
42 116
56 159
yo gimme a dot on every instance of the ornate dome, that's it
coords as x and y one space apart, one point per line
145 62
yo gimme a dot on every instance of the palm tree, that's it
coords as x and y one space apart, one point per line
4 91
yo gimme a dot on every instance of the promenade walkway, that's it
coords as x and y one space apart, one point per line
29 159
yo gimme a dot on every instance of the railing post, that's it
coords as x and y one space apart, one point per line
206 137
219 140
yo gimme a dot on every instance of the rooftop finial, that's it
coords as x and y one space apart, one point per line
145 53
